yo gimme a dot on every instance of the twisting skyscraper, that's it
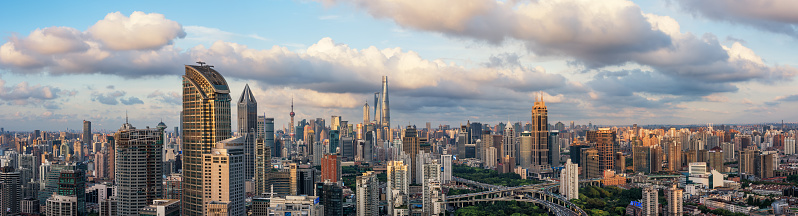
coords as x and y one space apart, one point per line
386 111
206 120
247 126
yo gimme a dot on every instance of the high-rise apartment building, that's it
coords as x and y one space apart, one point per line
330 168
247 126
674 196
446 169
367 194
139 164
605 144
397 190
262 166
650 201
206 120
540 136
224 175
716 159
747 159
59 205
674 155
569 180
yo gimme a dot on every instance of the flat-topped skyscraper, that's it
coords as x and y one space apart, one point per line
206 121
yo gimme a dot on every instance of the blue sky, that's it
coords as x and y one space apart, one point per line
605 62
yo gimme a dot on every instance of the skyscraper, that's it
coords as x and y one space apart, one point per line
569 180
139 164
206 120
386 111
87 139
675 202
10 192
540 135
247 126
224 177
410 146
330 168
508 142
605 145
367 194
262 166
525 150
398 183
650 201
366 117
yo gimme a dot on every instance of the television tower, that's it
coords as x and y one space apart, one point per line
292 114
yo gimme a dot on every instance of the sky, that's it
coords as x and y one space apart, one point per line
613 62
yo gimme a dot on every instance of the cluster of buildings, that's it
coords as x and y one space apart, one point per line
208 166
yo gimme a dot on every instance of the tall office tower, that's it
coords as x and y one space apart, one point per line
206 120
716 159
87 139
620 162
262 166
605 144
641 159
291 126
30 162
525 150
73 183
590 163
410 146
224 174
247 126
306 181
386 111
367 194
674 155
377 115
747 157
398 184
330 168
446 167
11 194
348 148
554 148
268 137
508 142
139 164
59 205
261 126
569 180
656 158
540 135
366 118
675 202
462 140
650 201
331 197
765 165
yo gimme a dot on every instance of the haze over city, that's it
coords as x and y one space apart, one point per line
608 62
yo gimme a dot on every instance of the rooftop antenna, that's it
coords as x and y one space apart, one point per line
201 63
126 117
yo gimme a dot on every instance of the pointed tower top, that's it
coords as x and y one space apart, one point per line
292 107
246 96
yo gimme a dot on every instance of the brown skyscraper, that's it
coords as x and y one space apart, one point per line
410 145
206 121
330 168
605 144
540 135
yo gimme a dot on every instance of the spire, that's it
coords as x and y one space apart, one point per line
246 96
126 117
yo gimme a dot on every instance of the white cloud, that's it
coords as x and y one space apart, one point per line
139 31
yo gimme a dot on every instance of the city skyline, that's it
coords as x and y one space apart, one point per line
664 63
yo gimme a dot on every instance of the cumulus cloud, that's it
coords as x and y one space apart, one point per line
173 98
139 31
776 16
595 33
23 93
135 46
114 98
